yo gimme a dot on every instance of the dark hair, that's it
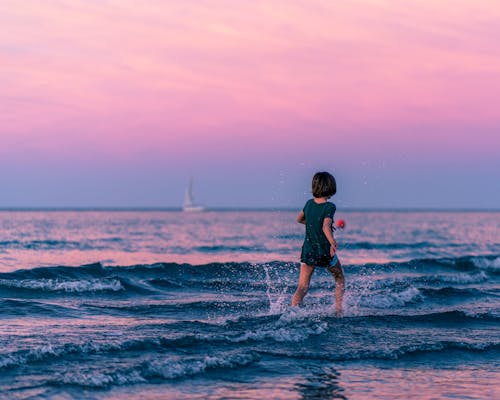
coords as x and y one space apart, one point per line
323 185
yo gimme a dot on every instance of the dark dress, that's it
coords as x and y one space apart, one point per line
316 248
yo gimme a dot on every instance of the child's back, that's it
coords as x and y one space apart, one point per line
319 248
316 248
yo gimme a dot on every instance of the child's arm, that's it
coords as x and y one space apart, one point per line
327 230
301 218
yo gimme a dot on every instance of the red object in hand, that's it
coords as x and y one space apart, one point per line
340 224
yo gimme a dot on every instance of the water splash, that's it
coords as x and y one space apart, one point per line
275 292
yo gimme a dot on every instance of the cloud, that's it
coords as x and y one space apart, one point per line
162 75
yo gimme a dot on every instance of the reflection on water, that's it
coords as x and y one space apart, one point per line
353 383
422 382
321 383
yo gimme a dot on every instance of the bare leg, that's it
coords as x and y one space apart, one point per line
338 274
306 272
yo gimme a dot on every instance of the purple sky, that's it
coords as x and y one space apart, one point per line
119 104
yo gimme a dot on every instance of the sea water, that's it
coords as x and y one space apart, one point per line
158 305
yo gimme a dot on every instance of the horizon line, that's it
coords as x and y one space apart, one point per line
245 209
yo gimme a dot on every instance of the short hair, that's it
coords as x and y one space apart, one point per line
323 185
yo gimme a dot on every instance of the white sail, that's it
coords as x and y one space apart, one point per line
189 203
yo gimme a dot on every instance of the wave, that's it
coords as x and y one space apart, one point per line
384 300
360 282
393 246
453 316
456 278
375 286
259 333
225 248
403 282
58 285
452 292
400 297
398 352
88 271
486 263
52 244
154 365
167 368
489 264
52 352
30 308
165 307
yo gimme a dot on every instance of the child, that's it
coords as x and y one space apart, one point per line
319 248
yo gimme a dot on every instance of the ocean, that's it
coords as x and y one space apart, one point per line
171 305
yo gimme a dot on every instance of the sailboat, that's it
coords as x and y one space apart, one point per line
189 205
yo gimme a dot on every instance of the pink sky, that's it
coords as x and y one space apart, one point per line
123 79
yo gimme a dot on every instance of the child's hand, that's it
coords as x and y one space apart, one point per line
333 248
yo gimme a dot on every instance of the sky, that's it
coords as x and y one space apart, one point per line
120 103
